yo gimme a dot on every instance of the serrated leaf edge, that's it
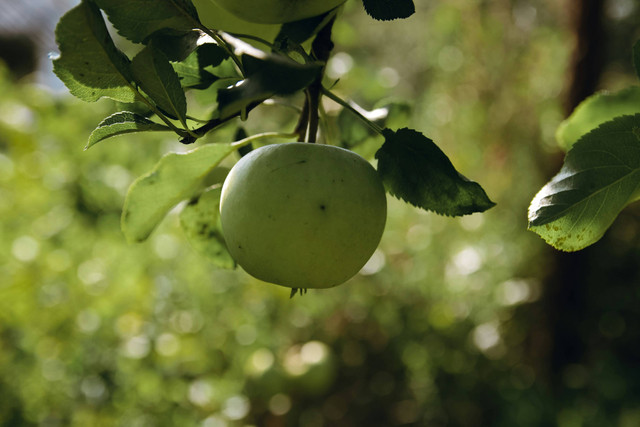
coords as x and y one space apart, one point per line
104 123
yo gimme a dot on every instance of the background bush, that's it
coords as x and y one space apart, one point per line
452 322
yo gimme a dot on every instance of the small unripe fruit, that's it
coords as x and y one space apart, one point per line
302 215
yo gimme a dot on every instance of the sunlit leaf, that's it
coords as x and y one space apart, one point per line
122 123
90 65
176 177
200 221
596 110
415 170
137 20
600 176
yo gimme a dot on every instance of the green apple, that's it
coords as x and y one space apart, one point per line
302 215
277 11
214 16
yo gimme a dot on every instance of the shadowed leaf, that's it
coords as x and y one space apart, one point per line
196 70
158 79
297 32
415 170
266 75
387 10
176 46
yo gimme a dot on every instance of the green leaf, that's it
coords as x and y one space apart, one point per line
636 57
90 65
192 71
176 46
387 10
600 176
200 220
415 170
596 110
122 123
175 177
266 75
138 107
157 78
297 32
137 20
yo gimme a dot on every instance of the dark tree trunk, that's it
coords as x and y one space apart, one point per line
563 307
588 56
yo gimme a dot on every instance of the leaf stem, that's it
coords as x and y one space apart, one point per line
161 116
223 44
214 123
246 141
254 38
375 127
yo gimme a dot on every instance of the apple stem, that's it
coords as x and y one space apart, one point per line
321 48
313 101
303 121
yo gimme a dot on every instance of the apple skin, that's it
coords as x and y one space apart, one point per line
277 11
302 215
214 16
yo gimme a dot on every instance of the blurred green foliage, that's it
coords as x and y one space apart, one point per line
439 329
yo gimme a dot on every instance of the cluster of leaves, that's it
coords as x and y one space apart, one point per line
601 171
177 54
